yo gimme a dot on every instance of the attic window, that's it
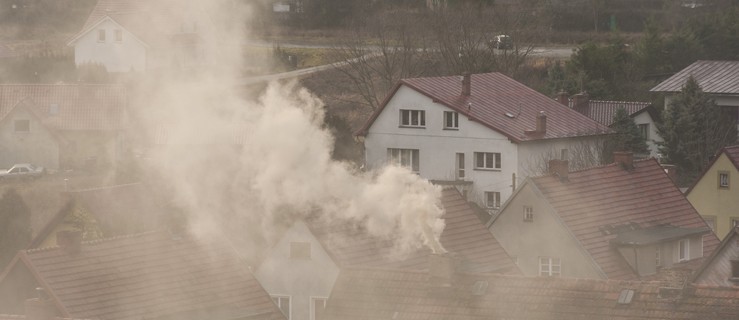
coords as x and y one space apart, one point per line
22 125
101 35
300 250
723 180
118 35
528 214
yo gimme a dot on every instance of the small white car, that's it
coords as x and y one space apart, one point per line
22 170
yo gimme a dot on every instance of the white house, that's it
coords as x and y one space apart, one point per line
484 133
132 35
642 113
300 269
719 79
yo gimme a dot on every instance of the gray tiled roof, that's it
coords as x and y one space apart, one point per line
713 77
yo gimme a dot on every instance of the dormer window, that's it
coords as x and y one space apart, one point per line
451 120
683 250
413 118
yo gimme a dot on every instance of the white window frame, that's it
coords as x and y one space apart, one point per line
101 36
395 156
313 301
644 130
550 267
412 118
278 300
684 253
451 120
723 180
528 213
490 161
495 197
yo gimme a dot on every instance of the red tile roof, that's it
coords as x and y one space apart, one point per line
464 235
80 107
117 210
612 195
368 294
733 153
603 111
493 95
712 76
150 275
715 270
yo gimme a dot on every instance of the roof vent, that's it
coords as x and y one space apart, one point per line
510 115
625 296
480 288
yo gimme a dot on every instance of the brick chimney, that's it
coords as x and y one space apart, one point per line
69 241
39 308
442 268
563 98
624 158
466 84
541 122
580 100
560 168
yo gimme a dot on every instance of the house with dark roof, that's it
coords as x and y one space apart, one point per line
62 126
626 220
141 35
375 294
716 192
300 269
153 275
104 212
722 267
482 132
642 113
719 79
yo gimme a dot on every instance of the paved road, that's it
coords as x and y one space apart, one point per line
552 52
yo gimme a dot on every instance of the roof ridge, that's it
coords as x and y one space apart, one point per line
621 101
96 241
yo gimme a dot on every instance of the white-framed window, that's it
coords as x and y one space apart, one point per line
317 304
683 250
644 131
22 125
723 179
657 257
451 120
528 213
300 250
487 160
101 35
734 221
460 166
118 35
407 158
282 302
550 267
564 154
413 118
492 199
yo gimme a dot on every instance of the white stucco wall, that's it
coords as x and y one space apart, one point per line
300 279
117 56
654 137
438 147
36 146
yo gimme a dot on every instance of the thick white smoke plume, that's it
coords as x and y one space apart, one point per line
251 164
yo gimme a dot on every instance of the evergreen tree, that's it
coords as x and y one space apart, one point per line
694 129
627 136
15 226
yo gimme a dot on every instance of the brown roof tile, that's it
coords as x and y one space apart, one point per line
151 275
733 153
464 235
80 107
612 195
492 96
394 294
712 76
603 111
